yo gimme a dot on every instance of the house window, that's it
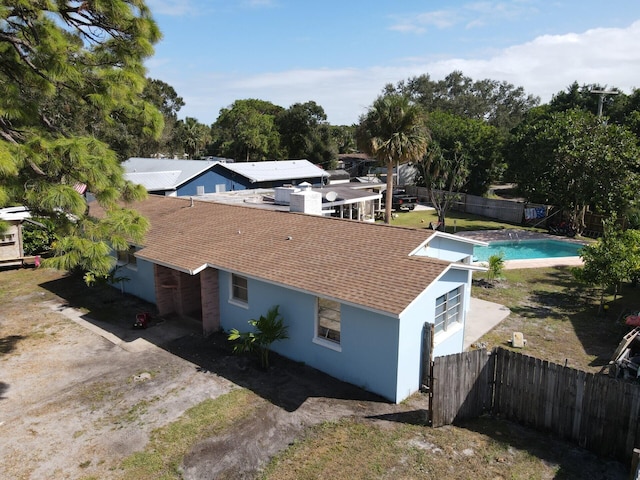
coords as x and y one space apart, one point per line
239 289
127 257
448 310
328 320
7 239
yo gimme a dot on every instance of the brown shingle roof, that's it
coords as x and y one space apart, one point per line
355 262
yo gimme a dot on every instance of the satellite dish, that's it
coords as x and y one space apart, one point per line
331 196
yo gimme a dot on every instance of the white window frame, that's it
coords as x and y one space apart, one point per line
242 301
324 335
449 312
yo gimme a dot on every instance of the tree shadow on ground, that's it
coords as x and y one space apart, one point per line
3 388
571 462
566 300
599 332
8 344
285 383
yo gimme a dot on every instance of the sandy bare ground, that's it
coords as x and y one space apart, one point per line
78 395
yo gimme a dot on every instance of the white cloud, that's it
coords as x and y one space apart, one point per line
419 23
549 64
470 15
544 66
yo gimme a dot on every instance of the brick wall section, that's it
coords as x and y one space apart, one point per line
188 300
165 286
210 293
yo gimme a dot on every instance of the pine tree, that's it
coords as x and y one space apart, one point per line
64 63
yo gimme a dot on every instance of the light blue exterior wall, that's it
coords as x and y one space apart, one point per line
448 249
410 341
379 353
140 283
452 250
452 341
368 341
411 332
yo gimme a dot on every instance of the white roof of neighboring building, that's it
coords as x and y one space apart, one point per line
344 194
164 173
276 170
156 180
11 214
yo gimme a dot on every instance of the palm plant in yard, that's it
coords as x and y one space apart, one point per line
495 265
267 329
393 131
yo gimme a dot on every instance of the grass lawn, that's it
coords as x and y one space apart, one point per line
485 448
454 222
162 456
558 316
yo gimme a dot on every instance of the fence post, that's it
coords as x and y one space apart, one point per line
427 366
635 464
493 380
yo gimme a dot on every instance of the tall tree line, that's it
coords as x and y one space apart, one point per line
255 130
579 151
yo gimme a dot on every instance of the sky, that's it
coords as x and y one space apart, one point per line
341 54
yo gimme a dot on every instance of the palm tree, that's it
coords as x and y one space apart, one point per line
393 131
195 136
267 329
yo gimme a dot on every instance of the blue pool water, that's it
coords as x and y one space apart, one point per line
527 249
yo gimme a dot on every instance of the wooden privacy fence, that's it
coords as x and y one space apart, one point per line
504 210
461 386
510 211
597 412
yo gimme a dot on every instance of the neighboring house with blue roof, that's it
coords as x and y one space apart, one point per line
172 177
356 297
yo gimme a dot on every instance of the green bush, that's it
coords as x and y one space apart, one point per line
496 265
38 237
268 329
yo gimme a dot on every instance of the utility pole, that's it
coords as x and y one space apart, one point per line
602 93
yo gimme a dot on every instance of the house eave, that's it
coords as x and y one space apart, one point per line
197 270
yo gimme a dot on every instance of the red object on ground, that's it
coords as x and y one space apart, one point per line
142 320
632 320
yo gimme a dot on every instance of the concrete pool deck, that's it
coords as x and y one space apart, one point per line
482 317
517 234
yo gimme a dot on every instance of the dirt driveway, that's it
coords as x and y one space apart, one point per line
80 390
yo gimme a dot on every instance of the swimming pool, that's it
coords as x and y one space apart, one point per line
527 249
